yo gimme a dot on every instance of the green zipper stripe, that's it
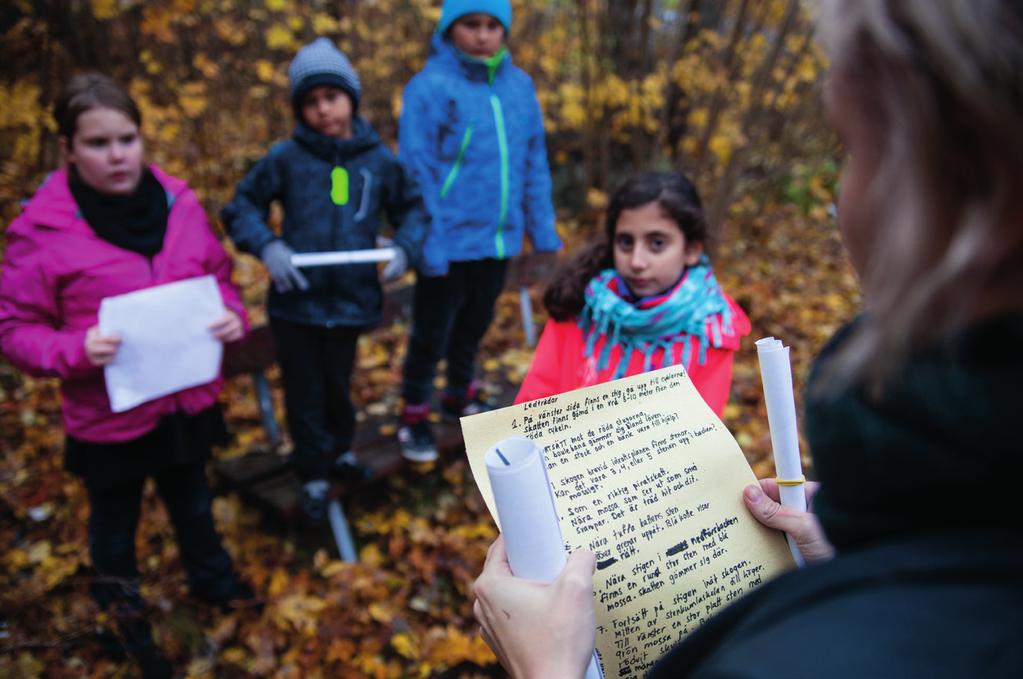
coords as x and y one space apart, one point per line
502 144
453 172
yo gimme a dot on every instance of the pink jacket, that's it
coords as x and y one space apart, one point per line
558 364
55 272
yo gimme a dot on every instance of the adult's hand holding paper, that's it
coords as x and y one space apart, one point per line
642 473
776 373
166 344
529 521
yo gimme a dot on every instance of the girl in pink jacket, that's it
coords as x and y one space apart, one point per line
642 298
103 225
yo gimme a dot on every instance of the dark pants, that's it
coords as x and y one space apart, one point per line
114 518
316 370
451 315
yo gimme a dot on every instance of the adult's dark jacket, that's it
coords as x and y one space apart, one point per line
919 494
298 173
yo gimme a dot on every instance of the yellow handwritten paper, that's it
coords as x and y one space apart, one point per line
645 475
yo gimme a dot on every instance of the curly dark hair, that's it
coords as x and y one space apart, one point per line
678 200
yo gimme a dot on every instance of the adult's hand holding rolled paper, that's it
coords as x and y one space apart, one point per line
764 502
537 629
776 374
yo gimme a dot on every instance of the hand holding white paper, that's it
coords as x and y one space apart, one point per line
776 373
307 259
166 343
529 521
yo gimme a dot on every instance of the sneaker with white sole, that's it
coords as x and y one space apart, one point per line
417 442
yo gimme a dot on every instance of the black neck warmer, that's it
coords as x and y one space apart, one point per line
136 221
938 449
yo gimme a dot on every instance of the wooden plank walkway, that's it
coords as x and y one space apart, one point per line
263 477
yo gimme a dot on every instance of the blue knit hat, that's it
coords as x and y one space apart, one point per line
453 9
321 63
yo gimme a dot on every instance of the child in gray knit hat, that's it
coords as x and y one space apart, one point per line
334 179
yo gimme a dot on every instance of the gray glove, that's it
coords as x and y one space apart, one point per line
397 267
286 277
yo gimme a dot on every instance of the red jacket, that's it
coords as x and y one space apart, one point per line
56 270
559 366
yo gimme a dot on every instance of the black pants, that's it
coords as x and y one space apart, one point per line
316 369
451 315
114 518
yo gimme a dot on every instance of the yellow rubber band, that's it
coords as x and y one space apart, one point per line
791 482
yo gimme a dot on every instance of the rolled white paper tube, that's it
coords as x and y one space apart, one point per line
529 520
307 259
776 373
525 507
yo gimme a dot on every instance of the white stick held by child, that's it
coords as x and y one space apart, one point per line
307 259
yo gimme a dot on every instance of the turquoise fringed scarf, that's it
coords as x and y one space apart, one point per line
693 310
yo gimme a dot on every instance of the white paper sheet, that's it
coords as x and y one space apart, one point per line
306 259
776 373
529 521
166 344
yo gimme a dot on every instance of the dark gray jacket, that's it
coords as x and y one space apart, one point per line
298 173
917 488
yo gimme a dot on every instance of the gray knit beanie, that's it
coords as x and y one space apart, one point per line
321 63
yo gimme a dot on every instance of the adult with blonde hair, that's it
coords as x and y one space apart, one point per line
910 409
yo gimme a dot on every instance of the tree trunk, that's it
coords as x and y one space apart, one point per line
589 136
720 98
718 209
672 95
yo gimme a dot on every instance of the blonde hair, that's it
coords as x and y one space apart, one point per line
944 81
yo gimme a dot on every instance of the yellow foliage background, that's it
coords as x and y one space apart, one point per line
716 88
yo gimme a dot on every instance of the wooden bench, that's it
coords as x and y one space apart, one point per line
264 477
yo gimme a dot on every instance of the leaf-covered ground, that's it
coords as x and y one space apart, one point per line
405 609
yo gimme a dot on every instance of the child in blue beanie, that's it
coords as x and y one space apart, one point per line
472 134
334 179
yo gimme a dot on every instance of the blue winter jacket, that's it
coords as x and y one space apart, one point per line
300 173
474 140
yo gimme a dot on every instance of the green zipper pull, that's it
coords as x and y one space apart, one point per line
339 186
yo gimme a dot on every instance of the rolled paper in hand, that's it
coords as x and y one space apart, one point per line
776 373
307 259
526 512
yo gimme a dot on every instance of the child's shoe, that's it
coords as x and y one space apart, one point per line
456 404
415 436
314 499
348 468
238 595
136 638
152 663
